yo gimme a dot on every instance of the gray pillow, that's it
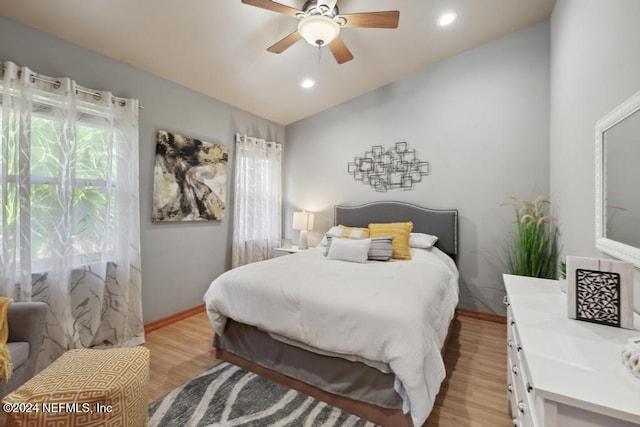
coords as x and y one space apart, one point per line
380 249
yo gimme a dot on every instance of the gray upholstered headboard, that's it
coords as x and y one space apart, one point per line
441 223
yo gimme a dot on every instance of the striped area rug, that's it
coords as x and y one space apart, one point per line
226 396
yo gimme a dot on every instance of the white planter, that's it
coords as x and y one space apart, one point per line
563 285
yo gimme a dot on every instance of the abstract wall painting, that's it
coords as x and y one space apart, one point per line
600 291
190 179
385 169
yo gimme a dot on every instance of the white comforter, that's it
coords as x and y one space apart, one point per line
395 312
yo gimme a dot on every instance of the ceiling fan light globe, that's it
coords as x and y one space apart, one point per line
318 30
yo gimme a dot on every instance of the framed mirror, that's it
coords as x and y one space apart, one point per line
617 182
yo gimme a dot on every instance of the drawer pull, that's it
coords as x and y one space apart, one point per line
510 343
505 300
514 369
510 388
514 421
529 387
519 348
513 322
521 407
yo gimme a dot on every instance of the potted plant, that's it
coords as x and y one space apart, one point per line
533 247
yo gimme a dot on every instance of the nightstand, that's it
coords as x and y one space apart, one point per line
287 251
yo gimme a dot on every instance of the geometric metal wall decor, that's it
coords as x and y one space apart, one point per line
600 291
395 167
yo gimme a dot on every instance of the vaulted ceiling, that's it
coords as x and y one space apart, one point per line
218 47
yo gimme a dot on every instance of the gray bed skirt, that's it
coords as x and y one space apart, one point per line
342 377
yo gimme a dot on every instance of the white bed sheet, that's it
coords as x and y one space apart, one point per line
396 313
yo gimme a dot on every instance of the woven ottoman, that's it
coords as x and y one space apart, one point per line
85 388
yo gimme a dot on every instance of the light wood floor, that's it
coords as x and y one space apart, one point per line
474 393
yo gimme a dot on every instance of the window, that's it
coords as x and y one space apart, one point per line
69 209
84 183
257 200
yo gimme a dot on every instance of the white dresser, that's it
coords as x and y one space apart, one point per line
564 372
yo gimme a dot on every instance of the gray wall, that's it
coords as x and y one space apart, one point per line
595 66
178 260
481 119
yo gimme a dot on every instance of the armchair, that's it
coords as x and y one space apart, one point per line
26 328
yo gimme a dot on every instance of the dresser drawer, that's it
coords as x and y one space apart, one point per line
513 337
512 395
525 404
522 398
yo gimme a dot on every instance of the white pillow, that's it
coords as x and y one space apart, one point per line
421 240
333 231
352 250
381 248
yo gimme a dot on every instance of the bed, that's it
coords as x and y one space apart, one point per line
295 334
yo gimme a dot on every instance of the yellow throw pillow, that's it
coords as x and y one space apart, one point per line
353 232
401 231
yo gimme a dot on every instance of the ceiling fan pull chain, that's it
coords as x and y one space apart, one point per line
319 54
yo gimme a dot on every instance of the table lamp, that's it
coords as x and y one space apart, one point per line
303 221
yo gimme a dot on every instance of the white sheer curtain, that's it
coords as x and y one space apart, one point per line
257 211
69 209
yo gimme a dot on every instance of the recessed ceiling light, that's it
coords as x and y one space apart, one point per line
308 83
446 19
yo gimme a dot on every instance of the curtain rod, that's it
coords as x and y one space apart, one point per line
56 84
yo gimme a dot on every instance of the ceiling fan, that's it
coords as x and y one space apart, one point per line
320 23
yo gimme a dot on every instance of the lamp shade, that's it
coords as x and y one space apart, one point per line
303 220
318 30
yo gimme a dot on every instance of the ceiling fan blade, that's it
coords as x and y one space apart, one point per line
340 51
273 6
387 19
285 43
